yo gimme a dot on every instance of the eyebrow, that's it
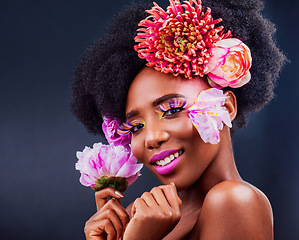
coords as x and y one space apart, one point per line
167 97
156 102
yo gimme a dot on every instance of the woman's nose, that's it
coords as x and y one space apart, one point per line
155 136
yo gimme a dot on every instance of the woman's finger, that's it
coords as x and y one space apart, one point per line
171 195
119 211
99 230
149 199
160 197
139 204
102 196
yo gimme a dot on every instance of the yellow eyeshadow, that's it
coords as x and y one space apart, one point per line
172 103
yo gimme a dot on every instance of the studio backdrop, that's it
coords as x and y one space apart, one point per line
41 197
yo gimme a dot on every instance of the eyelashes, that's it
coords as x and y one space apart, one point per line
130 127
171 106
168 109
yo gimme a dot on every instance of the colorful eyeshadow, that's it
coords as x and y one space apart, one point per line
173 103
127 127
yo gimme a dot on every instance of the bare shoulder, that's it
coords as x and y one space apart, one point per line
234 192
236 210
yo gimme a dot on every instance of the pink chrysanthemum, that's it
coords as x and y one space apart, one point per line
178 40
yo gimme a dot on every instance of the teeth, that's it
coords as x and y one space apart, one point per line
161 163
168 159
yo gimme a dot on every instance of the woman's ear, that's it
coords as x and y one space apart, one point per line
231 104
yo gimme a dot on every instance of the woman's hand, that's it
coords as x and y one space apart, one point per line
155 214
111 218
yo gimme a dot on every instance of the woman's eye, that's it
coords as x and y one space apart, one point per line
172 111
137 127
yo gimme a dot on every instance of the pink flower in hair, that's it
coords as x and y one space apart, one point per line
110 128
229 64
178 40
107 166
208 114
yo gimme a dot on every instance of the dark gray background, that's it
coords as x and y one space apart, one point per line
41 197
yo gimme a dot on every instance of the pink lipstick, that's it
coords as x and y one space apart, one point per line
166 161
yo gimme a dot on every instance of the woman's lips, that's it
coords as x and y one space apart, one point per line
163 155
166 161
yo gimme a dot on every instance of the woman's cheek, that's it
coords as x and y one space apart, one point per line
182 127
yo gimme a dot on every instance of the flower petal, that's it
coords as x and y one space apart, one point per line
208 115
217 58
206 127
228 43
242 81
234 70
107 162
110 128
127 170
178 40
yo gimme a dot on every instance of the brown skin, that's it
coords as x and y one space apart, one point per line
214 202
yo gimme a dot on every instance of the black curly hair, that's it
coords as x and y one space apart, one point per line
107 69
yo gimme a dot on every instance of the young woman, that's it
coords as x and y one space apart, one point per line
166 93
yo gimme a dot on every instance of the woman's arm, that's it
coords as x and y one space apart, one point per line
235 210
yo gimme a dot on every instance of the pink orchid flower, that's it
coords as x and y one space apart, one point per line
208 114
110 128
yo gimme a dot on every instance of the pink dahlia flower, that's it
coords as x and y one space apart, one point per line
208 114
107 166
110 128
229 64
178 40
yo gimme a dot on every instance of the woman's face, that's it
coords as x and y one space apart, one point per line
156 109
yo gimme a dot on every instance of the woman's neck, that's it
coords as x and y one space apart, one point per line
222 168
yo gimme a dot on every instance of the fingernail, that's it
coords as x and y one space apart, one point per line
119 194
172 183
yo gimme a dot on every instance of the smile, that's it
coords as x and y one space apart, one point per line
166 161
169 159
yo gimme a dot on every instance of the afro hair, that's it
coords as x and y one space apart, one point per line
107 69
